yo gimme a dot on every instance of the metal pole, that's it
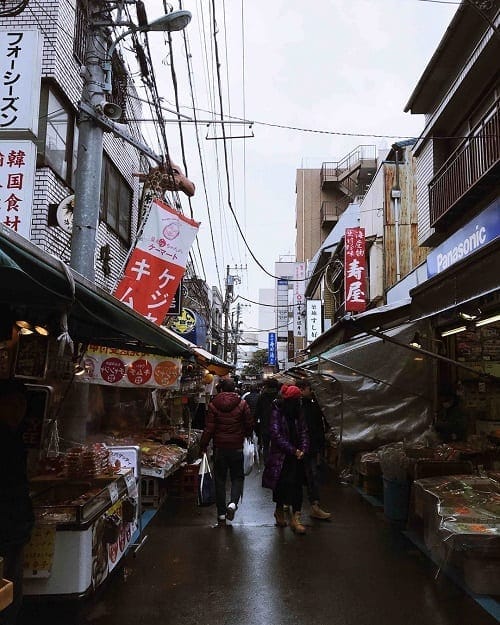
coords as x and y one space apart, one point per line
90 146
226 314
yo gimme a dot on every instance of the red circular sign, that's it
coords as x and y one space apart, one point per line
112 370
140 371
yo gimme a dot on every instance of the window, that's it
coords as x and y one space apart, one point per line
116 200
81 29
57 135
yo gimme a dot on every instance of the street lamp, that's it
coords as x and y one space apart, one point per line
170 22
97 74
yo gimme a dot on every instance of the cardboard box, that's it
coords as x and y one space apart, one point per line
6 593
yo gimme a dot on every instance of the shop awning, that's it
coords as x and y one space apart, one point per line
344 329
473 278
212 363
377 391
40 286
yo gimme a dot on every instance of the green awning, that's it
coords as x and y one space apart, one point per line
39 285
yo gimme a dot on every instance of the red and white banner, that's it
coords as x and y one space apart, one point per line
355 270
158 262
121 367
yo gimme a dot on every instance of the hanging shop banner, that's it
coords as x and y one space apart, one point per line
473 236
158 262
299 302
355 270
271 348
190 325
17 179
121 367
282 310
20 76
313 319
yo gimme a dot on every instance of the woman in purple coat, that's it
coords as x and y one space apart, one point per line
284 470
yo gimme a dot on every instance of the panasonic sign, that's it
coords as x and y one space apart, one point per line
473 236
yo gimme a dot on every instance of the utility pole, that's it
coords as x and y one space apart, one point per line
236 334
90 145
228 299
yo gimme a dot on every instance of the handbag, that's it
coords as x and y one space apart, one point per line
206 483
248 456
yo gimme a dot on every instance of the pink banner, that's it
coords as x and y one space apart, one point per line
158 262
355 270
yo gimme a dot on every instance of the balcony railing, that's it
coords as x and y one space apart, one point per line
337 170
329 212
467 166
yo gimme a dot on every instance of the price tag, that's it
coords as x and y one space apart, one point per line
131 484
113 492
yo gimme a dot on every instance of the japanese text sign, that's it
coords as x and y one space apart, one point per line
299 300
355 270
122 367
20 76
156 266
282 310
17 178
314 319
271 348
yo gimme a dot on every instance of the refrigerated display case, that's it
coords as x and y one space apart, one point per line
82 530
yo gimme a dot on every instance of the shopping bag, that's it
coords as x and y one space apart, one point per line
206 483
248 456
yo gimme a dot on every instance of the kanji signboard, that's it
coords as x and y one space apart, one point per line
355 270
157 263
20 79
314 319
17 174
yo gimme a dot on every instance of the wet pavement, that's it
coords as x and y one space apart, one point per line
357 569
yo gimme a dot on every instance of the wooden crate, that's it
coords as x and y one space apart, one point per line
6 593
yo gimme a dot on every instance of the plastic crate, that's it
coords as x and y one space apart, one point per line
184 482
153 492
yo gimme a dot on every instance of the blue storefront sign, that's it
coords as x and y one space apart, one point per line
473 236
271 354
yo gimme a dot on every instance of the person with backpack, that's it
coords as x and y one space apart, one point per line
315 421
228 422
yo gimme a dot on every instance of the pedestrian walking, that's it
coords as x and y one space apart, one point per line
316 428
284 471
228 422
263 409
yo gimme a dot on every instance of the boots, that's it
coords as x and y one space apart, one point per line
318 513
279 515
295 523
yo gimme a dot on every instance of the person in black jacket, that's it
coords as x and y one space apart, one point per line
316 426
16 511
263 410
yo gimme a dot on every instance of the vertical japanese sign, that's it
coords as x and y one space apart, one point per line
17 178
157 263
313 319
282 311
355 270
20 76
271 348
299 306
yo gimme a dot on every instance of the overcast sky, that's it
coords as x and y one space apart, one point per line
343 66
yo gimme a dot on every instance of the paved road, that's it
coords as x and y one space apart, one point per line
358 569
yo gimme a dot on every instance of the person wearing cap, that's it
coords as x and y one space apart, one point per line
284 470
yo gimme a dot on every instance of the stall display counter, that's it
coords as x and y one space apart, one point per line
82 530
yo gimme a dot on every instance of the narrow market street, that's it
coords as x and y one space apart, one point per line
358 569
